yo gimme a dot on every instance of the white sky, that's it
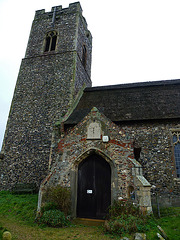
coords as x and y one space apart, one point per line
133 41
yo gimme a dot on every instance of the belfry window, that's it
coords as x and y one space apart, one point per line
84 56
176 144
50 42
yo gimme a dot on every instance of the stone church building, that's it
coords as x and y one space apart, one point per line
104 143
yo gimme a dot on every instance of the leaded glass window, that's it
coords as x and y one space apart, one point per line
176 144
51 39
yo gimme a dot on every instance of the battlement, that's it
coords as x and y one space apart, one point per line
58 11
73 7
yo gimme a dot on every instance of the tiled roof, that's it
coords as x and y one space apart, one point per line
136 101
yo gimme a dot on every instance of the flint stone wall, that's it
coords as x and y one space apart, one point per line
156 157
46 87
74 147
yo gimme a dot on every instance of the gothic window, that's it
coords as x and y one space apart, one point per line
176 144
84 56
137 149
137 152
50 42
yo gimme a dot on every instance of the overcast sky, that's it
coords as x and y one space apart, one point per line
133 41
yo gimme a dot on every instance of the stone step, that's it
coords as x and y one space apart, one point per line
89 222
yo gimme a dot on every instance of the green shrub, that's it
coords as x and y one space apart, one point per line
54 218
128 224
122 224
123 207
124 217
60 197
49 206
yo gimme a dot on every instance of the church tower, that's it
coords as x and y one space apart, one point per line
56 66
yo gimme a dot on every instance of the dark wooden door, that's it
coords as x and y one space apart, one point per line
94 187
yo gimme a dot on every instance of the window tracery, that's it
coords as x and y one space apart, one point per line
50 42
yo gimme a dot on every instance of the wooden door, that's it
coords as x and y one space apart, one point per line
94 187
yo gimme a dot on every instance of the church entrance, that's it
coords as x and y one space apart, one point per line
94 187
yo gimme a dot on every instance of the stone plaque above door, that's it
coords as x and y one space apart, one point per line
94 131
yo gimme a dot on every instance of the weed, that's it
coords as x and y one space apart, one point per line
49 206
124 217
123 207
58 196
54 218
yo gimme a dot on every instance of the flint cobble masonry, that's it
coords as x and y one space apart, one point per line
46 87
156 158
74 146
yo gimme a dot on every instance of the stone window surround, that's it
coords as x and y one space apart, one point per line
50 44
174 131
84 55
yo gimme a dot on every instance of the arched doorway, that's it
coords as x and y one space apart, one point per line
94 187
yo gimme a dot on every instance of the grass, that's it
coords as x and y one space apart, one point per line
17 214
19 207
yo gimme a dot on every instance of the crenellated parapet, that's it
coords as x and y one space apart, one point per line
73 8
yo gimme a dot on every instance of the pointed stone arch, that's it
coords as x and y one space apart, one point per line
74 175
50 41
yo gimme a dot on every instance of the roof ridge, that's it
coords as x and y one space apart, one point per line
134 85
